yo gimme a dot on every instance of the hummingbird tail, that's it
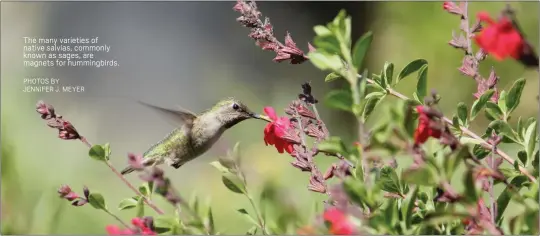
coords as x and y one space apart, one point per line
127 170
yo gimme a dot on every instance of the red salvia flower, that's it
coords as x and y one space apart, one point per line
500 38
340 223
424 130
276 130
140 228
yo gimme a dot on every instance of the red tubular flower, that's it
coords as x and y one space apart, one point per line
115 230
500 38
275 130
339 222
424 131
141 228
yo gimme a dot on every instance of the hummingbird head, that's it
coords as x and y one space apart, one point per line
231 111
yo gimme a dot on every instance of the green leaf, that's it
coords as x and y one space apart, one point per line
234 154
443 217
451 163
462 114
480 103
127 203
146 188
456 123
391 213
357 192
506 195
370 106
333 145
107 149
388 73
210 220
520 128
321 30
328 44
514 95
468 140
339 99
252 231
341 28
522 156
332 76
233 183
220 167
140 206
502 102
166 222
97 152
423 175
503 128
421 85
471 192
408 206
360 49
494 110
389 180
530 138
325 61
410 68
247 216
97 201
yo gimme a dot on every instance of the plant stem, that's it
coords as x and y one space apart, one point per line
117 218
491 194
471 134
119 175
262 224
356 100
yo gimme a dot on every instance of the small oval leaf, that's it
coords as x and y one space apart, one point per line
421 85
97 201
97 152
480 103
127 203
233 183
332 76
410 68
514 95
360 49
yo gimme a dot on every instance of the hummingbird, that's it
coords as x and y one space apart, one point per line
194 134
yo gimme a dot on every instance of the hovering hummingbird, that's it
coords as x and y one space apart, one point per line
195 134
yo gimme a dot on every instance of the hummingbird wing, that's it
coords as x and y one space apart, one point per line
179 117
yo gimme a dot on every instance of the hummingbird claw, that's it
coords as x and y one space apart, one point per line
262 117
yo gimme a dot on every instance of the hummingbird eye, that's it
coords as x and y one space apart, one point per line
235 106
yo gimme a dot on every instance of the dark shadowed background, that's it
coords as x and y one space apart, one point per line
193 54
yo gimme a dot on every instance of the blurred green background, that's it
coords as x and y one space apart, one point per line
192 54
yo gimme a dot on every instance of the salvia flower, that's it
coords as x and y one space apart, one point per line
340 223
424 129
140 227
452 7
65 192
45 110
276 130
67 131
500 38
135 161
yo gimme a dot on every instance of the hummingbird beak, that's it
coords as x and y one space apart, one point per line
261 117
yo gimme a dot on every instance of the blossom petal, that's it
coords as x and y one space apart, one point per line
270 112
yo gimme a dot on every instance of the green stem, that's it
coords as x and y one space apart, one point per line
117 218
262 224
